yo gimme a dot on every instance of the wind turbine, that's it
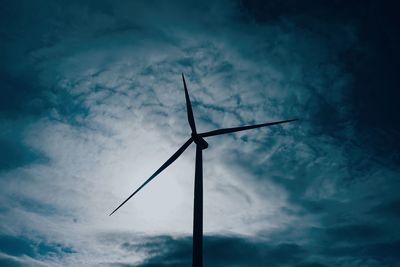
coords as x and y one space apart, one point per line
201 144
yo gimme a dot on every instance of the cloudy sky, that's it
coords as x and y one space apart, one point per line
92 103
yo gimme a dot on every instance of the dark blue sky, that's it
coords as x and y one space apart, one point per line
92 103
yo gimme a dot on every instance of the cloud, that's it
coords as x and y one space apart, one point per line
94 104
219 251
20 251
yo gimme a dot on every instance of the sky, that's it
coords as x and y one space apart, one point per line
92 103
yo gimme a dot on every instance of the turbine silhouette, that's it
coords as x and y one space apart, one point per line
201 144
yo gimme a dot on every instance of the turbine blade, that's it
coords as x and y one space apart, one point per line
189 107
242 128
164 166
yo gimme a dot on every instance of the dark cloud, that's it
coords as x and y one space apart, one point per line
221 251
15 154
10 263
371 61
16 246
240 251
20 251
388 209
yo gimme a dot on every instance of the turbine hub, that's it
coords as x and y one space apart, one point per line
200 141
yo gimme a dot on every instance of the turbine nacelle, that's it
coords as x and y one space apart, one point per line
199 141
